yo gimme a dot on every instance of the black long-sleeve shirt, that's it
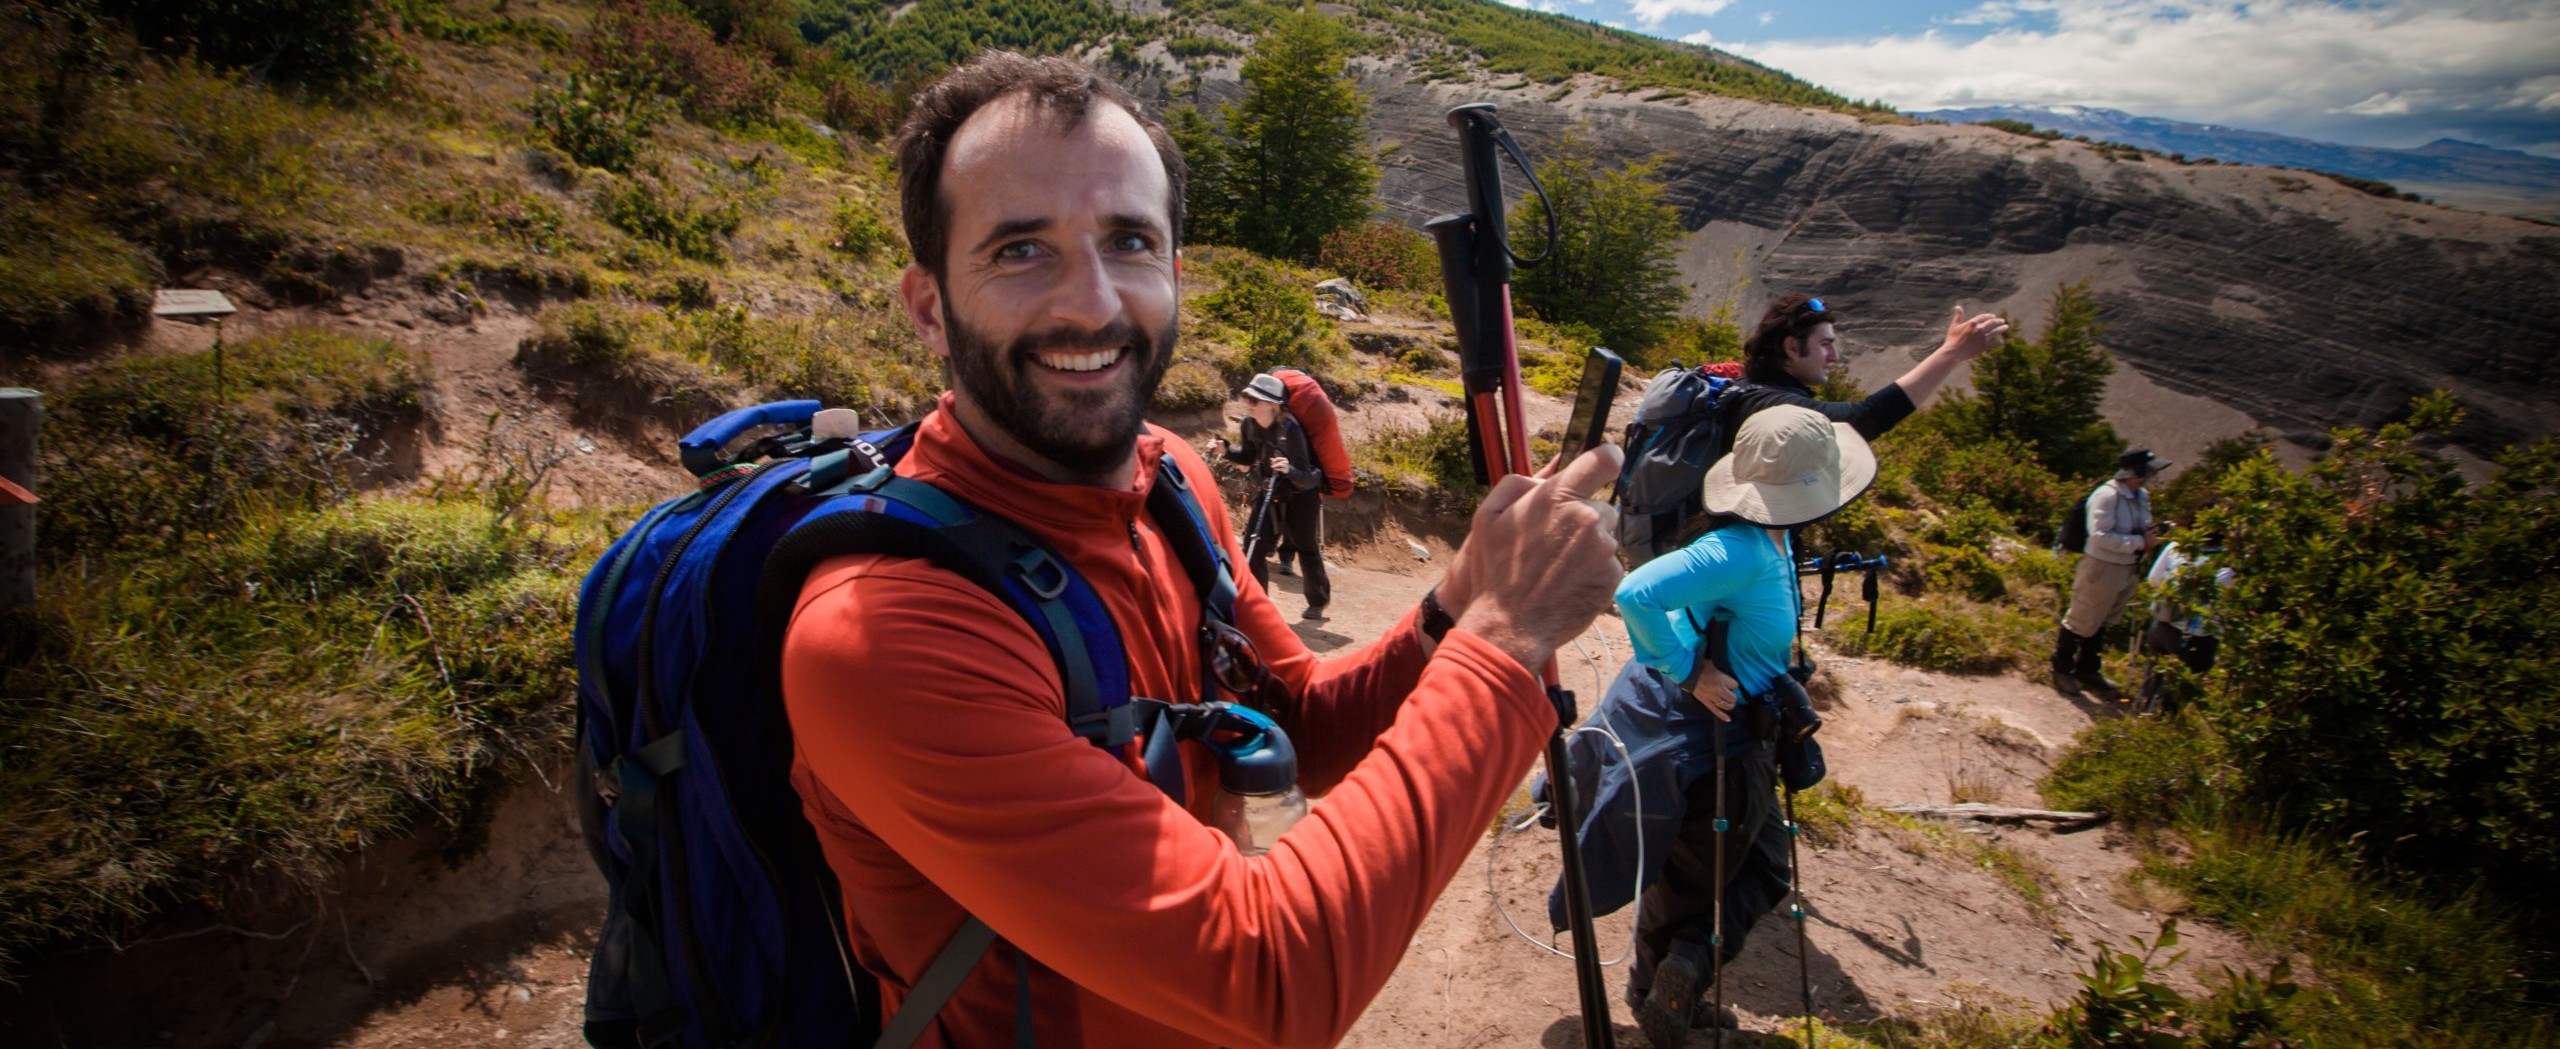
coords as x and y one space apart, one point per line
1879 412
1286 440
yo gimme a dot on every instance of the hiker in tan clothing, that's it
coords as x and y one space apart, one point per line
2120 532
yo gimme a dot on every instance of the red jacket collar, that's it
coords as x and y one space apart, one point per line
945 455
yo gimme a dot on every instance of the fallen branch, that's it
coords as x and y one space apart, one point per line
1975 810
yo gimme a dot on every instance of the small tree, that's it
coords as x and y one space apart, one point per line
1611 265
2045 393
1209 215
1298 165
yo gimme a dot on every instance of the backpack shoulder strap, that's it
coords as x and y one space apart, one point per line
880 512
1176 511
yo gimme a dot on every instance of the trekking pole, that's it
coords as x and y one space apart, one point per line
1475 264
1804 949
1712 648
1260 516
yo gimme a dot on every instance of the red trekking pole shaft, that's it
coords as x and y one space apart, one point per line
1475 265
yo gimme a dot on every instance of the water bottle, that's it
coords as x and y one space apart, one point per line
1258 799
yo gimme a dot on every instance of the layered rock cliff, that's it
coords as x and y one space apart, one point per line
2297 302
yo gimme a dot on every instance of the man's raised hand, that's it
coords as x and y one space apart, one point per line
1539 562
1971 337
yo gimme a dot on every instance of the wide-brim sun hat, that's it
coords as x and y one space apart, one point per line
1790 466
1267 388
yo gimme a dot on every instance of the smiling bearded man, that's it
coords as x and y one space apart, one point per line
932 749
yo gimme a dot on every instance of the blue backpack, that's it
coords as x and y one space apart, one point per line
724 927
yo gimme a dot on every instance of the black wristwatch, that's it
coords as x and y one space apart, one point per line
1436 620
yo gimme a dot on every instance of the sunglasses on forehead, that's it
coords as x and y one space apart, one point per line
1815 306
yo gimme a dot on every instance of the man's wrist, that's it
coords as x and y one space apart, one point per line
1435 620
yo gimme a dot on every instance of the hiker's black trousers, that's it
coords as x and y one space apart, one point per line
1297 520
1680 905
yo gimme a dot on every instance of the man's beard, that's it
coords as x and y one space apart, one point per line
1084 431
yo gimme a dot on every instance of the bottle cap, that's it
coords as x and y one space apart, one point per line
1259 760
835 424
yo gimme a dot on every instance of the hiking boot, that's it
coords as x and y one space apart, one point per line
1313 612
2086 670
1701 1018
1284 567
2066 684
1668 1007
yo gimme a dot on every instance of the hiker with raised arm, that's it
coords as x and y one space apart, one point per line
1689 415
935 754
1797 342
1280 457
1712 625
2117 531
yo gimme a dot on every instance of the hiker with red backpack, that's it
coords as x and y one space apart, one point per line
2114 531
1012 665
1283 458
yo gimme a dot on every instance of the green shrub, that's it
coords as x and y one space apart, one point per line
654 211
324 43
2398 965
1973 471
58 266
1941 633
1191 386
1380 255
595 121
858 231
1433 457
684 365
2146 771
1274 316
616 361
1966 570
1691 341
161 450
2020 127
2391 643
648 52
493 214
2121 1005
1190 47
313 681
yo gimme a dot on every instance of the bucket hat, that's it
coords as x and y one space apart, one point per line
1790 466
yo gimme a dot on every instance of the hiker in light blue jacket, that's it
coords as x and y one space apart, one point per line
1790 467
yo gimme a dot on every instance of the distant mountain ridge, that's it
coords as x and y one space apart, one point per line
2438 165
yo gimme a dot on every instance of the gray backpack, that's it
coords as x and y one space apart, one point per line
1682 427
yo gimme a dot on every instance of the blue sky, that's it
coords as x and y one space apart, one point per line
2365 72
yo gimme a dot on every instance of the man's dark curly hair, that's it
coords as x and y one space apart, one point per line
1764 355
1062 87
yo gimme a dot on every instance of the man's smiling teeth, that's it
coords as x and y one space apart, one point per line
1081 362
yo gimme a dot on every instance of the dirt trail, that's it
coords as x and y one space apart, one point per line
492 953
404 951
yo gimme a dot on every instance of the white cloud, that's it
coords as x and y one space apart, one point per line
1993 12
1651 13
1701 38
2387 71
1767 17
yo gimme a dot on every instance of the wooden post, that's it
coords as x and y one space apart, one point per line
21 413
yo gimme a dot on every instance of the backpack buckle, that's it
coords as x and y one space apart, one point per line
1041 574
